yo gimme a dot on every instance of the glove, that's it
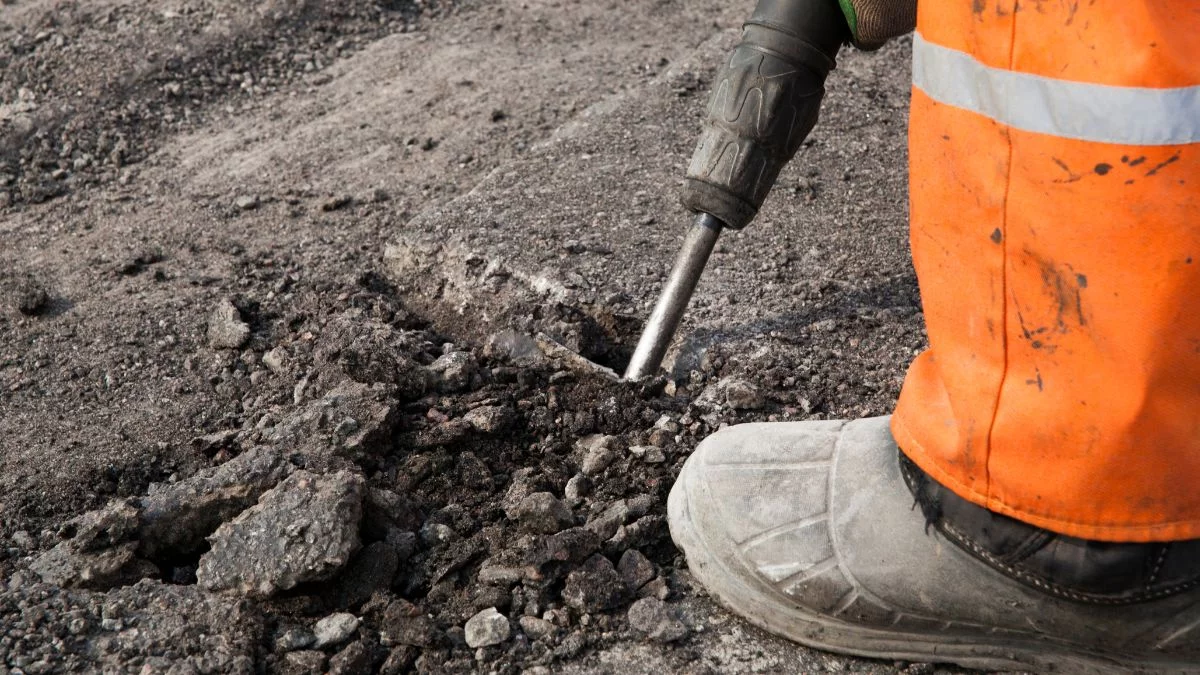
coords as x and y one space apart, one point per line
874 22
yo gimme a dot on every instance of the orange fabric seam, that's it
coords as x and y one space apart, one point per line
1008 172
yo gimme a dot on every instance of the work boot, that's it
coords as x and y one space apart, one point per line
810 531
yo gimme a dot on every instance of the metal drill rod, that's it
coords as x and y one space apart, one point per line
660 329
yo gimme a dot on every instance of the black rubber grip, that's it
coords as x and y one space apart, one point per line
764 103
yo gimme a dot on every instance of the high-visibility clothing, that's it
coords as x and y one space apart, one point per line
1055 208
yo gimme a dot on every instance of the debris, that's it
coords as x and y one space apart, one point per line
598 453
226 330
573 360
404 624
578 487
336 203
304 529
355 658
490 419
101 554
636 569
246 202
650 454
595 586
654 619
455 370
32 298
175 518
304 662
335 629
741 395
486 628
543 512
294 638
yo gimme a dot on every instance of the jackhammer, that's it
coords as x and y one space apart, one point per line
763 104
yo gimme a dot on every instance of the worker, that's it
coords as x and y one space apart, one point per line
1034 501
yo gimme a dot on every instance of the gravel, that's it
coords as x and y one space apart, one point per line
335 629
488 627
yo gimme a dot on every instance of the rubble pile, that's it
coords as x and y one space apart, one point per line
408 503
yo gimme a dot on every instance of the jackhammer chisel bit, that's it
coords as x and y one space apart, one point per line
763 103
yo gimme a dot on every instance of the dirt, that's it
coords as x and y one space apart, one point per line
195 200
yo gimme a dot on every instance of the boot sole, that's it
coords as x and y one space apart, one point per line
762 606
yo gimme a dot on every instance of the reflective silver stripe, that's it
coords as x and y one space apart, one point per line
1088 112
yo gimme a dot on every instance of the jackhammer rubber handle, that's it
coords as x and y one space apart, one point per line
764 103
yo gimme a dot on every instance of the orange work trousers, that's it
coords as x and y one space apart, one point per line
1055 208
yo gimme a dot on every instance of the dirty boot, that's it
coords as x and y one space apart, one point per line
809 531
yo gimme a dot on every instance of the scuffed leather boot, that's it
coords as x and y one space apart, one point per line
808 530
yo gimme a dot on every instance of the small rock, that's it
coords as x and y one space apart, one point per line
354 659
498 575
560 617
486 628
595 586
23 540
525 481
569 546
535 628
518 348
658 588
455 370
304 662
636 569
578 487
650 454
336 203
667 424
275 360
490 419
437 534
304 529
741 395
335 629
294 638
32 299
606 524
543 512
598 453
246 202
226 330
399 660
654 619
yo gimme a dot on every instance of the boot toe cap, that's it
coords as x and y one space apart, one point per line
757 495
